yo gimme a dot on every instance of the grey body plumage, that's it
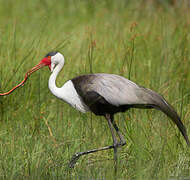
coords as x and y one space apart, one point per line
107 94
110 93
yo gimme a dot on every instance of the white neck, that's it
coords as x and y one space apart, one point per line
67 92
52 80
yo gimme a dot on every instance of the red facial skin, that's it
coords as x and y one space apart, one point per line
46 61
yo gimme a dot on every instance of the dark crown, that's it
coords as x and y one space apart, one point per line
51 54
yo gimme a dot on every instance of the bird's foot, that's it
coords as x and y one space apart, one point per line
122 143
74 159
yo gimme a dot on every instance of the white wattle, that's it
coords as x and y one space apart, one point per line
67 92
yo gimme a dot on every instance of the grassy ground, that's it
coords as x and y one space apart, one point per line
145 41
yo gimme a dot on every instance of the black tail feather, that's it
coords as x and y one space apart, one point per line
170 112
160 103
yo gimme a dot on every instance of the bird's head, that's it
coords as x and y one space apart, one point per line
55 58
50 60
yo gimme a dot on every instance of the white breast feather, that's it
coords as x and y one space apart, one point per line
69 95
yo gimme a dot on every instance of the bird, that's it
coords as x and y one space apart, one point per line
104 95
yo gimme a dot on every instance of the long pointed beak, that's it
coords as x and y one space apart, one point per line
35 68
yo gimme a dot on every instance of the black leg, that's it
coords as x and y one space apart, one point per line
115 143
122 139
79 154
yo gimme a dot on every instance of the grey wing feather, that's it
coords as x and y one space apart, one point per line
117 90
120 91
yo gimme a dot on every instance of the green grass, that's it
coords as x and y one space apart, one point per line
145 41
